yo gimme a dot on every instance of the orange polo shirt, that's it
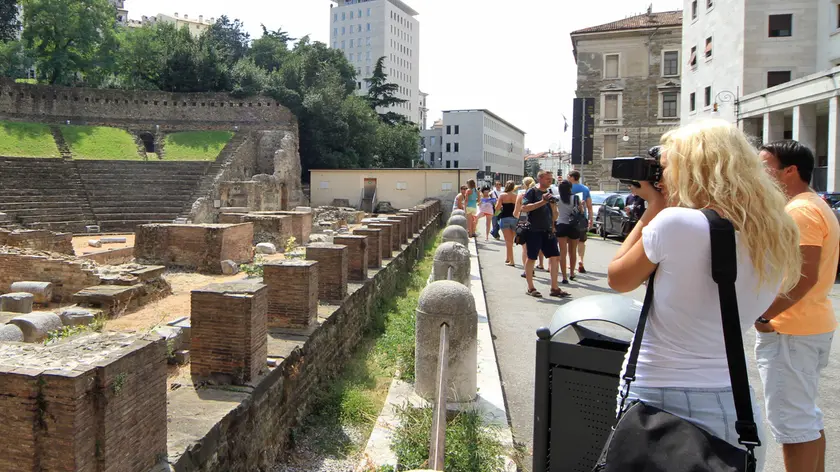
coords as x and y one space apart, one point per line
818 226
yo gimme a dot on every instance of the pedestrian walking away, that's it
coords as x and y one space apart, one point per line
795 333
586 197
506 205
496 193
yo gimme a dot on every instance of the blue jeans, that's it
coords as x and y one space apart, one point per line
712 409
495 231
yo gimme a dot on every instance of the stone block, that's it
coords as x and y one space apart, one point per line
386 239
374 249
266 248
11 333
292 293
357 251
196 247
17 302
229 267
35 326
182 357
67 275
228 331
41 291
76 316
93 229
332 270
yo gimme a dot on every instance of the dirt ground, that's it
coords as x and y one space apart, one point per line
80 243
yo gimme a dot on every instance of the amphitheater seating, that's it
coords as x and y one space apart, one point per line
126 194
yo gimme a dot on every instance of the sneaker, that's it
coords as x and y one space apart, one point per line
495 236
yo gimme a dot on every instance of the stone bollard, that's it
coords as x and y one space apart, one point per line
458 212
451 303
458 220
35 326
452 262
457 234
17 302
41 291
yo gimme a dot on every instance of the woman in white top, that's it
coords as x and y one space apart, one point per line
682 365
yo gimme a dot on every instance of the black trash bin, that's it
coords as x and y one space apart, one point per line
577 377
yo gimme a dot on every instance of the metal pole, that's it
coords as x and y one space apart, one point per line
437 445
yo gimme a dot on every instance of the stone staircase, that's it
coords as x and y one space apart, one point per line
206 183
44 194
124 194
63 148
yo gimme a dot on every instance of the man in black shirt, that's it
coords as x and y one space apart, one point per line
538 203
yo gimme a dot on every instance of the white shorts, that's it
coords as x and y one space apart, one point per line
790 369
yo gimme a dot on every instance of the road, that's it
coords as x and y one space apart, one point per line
515 317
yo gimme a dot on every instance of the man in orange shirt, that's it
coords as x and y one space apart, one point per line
795 333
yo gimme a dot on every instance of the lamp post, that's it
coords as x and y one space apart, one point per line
725 96
423 157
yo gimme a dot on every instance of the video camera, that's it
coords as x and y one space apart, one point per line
632 170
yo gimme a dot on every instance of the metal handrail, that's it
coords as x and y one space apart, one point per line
437 444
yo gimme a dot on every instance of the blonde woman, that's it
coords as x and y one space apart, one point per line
682 366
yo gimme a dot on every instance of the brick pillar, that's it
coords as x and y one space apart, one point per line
418 219
396 242
228 330
357 256
292 293
332 272
402 235
374 246
412 223
386 238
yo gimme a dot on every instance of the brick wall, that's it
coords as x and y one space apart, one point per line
228 335
357 260
197 247
67 276
332 270
374 246
275 229
41 240
292 293
107 415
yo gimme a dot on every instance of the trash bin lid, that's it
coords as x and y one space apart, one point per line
617 309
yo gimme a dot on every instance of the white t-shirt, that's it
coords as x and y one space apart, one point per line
683 342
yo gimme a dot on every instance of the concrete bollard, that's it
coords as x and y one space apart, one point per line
35 326
16 302
459 212
452 262
451 303
41 291
457 234
458 220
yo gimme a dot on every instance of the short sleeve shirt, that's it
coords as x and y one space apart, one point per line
818 226
585 195
540 218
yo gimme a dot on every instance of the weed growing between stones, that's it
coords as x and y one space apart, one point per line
255 269
97 326
470 445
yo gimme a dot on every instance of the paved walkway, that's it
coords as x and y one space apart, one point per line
515 317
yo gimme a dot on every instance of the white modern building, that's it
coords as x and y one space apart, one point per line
475 139
424 110
366 30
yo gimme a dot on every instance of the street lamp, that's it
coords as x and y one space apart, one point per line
725 96
625 138
424 156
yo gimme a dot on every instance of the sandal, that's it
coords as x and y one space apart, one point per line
564 282
534 293
572 277
540 267
510 264
560 293
581 269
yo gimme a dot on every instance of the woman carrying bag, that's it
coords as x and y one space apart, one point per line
680 384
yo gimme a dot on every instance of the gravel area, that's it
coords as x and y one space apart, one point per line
325 448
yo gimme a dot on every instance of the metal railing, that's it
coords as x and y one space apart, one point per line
437 444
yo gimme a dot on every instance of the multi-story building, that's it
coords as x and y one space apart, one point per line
631 67
122 13
366 30
197 26
476 139
560 163
424 110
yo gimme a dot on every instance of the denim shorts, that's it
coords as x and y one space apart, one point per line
790 369
712 409
508 223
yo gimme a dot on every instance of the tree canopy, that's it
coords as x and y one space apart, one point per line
9 22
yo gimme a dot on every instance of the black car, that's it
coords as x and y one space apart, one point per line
612 219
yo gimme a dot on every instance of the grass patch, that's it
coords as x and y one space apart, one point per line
26 81
470 446
26 140
195 145
100 142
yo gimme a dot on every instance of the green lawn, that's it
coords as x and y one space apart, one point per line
195 145
26 140
99 142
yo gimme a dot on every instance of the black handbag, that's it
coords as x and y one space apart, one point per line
647 439
522 228
578 219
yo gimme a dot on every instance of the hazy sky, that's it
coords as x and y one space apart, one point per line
511 57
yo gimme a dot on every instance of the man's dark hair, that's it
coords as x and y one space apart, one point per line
575 175
792 153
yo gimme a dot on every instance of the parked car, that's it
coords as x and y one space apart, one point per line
611 218
598 198
832 198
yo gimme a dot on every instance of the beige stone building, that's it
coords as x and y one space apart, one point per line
197 26
631 67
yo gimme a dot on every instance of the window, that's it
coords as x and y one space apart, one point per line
611 107
838 15
669 104
325 184
457 129
335 44
457 148
343 16
351 54
694 10
432 157
610 146
351 15
335 17
777 77
692 101
335 31
367 70
367 40
368 12
342 44
433 140
446 186
343 30
692 60
352 42
367 55
402 186
448 147
456 164
611 66
707 97
671 63
708 52
448 129
448 164
781 26
351 29
360 12
368 26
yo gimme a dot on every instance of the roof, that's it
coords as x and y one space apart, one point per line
484 110
645 20
547 155
375 169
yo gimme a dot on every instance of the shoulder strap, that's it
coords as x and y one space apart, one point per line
724 273
633 358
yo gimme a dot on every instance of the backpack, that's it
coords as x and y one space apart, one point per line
578 218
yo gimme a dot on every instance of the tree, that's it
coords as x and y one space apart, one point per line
271 49
397 145
9 21
247 78
67 37
140 57
382 94
14 60
229 38
532 167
